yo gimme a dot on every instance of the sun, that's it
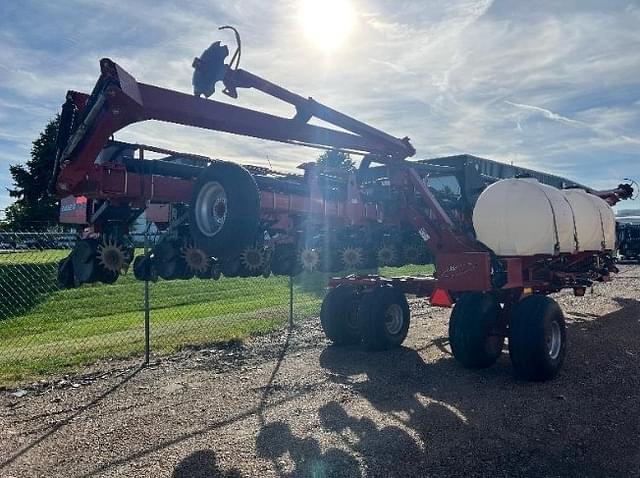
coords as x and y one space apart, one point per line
327 23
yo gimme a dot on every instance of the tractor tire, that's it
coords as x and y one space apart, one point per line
537 338
224 212
383 317
472 325
339 316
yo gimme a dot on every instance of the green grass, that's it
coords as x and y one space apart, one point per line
44 330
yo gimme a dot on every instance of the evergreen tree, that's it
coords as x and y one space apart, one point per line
333 159
34 208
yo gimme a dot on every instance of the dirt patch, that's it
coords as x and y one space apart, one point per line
290 405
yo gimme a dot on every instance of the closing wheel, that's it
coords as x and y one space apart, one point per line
65 274
225 210
473 335
339 316
85 264
169 261
537 338
383 317
284 261
143 269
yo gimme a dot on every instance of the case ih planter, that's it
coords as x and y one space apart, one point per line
223 218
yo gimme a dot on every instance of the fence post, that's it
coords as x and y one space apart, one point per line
290 302
147 328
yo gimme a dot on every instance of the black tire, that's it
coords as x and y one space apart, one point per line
339 316
143 269
231 268
472 330
86 269
238 217
284 261
65 274
535 354
169 262
107 277
383 317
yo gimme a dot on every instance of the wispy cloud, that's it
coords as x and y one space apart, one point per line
547 113
549 85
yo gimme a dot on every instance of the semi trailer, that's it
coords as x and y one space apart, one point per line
501 238
629 238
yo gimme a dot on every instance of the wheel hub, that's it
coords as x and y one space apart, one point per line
211 208
554 341
394 319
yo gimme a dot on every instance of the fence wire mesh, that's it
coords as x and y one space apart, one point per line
46 329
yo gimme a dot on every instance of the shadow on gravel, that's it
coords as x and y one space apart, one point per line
402 386
275 441
456 422
202 464
443 420
65 421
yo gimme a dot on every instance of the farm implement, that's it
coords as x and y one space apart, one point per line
220 218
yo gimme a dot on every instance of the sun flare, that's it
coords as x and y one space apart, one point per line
327 23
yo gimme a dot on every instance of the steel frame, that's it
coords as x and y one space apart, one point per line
462 263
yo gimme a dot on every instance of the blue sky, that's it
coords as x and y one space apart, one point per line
549 85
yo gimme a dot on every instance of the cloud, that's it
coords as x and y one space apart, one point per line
548 85
546 113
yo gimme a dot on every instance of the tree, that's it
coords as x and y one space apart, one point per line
332 159
34 207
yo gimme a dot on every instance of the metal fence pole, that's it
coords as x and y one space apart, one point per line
147 328
290 302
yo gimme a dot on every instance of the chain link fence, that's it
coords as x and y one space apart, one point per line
45 329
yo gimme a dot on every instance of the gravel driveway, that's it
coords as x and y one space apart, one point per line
290 405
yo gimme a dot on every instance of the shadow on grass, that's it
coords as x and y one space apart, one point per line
25 285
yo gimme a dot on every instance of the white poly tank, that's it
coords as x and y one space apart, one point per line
522 217
608 222
595 221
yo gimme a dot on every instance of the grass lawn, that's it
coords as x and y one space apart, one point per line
44 330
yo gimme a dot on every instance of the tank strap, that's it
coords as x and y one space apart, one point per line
603 243
555 222
575 227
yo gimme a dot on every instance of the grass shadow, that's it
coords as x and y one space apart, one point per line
25 285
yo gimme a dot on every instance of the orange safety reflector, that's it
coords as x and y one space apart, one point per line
441 298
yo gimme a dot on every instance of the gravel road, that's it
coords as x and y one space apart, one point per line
290 405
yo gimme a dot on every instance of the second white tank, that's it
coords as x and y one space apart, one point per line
522 217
